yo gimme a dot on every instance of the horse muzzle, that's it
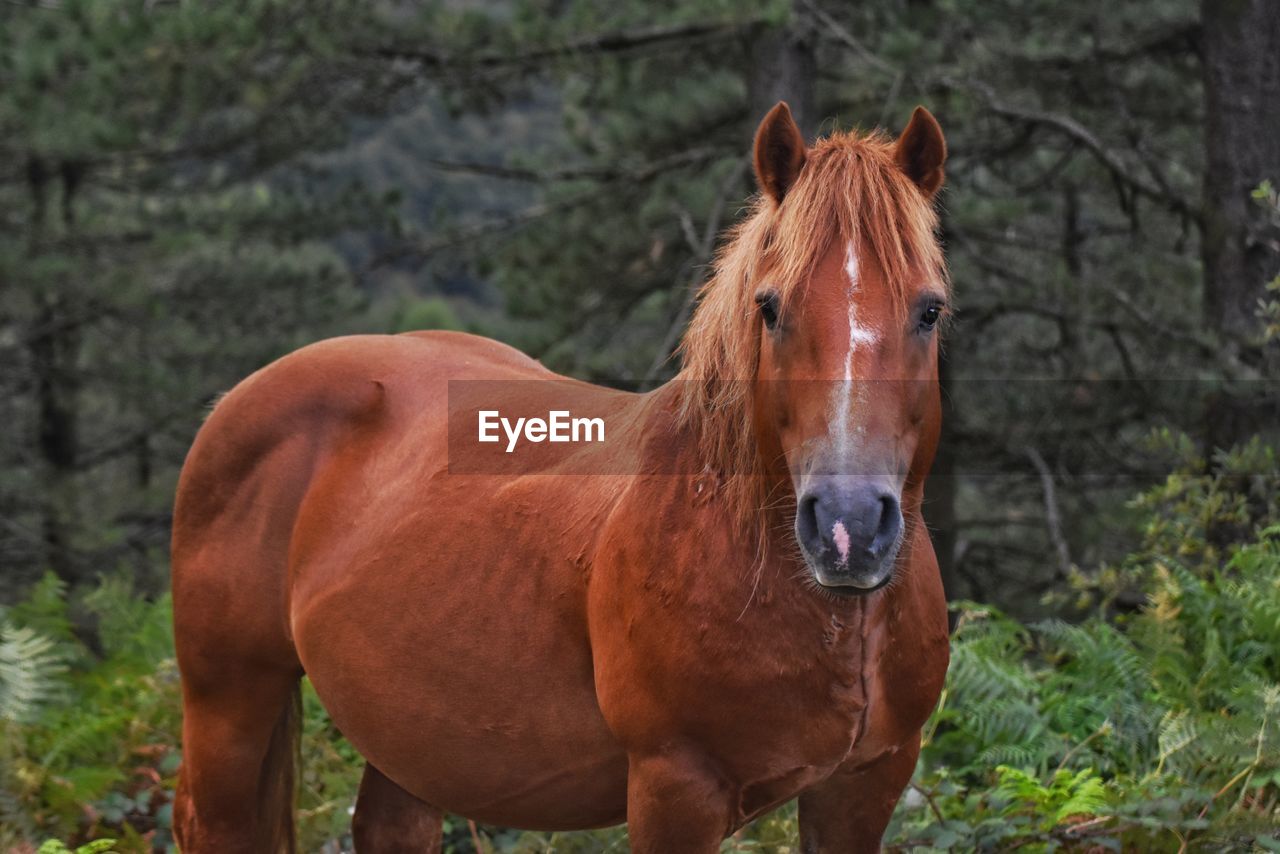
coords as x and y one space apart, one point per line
850 529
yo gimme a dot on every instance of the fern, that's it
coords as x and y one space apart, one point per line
30 672
45 610
83 726
1081 795
130 627
1051 803
99 846
1010 754
1177 731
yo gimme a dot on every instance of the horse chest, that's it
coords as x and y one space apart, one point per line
778 705
807 714
865 688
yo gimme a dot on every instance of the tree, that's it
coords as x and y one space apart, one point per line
1241 46
156 247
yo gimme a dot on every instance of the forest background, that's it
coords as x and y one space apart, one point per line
190 189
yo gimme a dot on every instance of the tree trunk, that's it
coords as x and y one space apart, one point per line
783 68
54 350
1241 48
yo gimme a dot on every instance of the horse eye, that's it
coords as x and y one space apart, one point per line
768 304
929 317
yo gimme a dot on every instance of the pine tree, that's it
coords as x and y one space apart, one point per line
160 241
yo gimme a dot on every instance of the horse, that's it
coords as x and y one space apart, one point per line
730 602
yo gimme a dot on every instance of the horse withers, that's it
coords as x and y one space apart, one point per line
748 610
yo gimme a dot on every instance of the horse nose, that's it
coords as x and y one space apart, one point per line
850 532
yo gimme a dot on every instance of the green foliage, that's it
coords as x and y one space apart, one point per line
107 740
431 313
30 676
91 737
1269 306
1135 732
330 776
98 846
155 248
29 670
1049 804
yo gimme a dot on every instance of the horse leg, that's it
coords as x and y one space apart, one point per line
239 736
849 811
389 820
676 803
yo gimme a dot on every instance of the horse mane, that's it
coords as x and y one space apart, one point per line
849 189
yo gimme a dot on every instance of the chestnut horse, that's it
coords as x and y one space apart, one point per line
748 611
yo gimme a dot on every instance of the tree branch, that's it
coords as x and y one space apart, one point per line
615 42
1071 128
1182 37
690 157
703 251
508 221
1052 518
842 35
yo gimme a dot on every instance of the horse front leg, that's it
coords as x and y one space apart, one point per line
677 803
389 820
849 811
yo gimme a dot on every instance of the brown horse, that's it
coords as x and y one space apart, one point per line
732 602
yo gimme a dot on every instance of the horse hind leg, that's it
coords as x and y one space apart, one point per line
241 708
240 740
389 820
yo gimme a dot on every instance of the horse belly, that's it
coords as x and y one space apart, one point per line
467 681
517 773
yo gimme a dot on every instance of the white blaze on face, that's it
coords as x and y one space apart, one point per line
859 336
840 536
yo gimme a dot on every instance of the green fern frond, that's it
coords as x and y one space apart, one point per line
30 671
1018 755
1177 731
1085 795
98 846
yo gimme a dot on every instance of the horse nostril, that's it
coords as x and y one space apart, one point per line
807 522
888 527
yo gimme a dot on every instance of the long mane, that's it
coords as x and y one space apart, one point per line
849 189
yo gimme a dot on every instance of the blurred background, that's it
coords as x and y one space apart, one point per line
189 190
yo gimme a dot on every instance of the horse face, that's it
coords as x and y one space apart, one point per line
851 394
847 395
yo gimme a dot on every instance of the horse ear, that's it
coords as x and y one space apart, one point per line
921 151
779 153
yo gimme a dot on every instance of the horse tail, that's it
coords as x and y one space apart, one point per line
278 784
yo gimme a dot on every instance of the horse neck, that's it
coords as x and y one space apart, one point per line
720 488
